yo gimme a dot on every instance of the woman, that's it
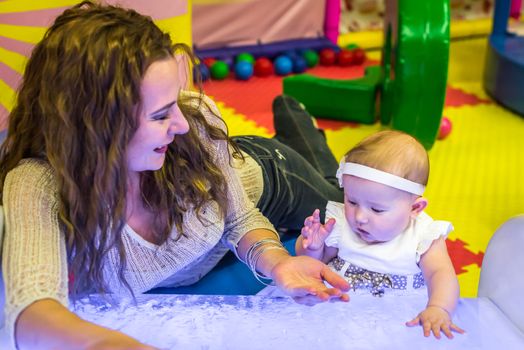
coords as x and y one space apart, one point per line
115 181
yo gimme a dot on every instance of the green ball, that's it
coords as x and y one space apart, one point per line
352 46
246 56
311 58
219 70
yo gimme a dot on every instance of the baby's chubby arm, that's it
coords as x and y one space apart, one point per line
311 241
443 291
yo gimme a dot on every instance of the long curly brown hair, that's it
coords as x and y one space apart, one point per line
77 108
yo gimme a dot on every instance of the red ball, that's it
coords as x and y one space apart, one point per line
345 57
209 61
327 57
359 56
445 128
263 67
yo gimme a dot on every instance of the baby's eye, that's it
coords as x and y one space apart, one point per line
378 211
352 203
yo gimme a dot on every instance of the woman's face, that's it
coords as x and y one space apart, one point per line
160 119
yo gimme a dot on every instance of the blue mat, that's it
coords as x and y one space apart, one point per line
229 277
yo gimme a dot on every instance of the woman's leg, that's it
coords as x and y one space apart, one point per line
293 188
294 127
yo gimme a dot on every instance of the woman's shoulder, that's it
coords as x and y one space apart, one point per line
34 166
30 172
205 105
196 98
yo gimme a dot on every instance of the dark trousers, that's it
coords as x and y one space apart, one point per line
298 166
293 188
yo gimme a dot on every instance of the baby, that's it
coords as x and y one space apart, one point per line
380 237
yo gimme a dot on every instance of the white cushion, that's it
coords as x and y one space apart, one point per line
501 274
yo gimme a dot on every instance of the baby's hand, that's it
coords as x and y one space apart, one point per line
314 233
435 319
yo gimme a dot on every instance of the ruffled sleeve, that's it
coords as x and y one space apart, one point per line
335 210
431 231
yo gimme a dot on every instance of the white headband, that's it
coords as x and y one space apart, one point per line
379 176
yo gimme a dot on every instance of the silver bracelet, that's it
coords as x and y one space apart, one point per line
257 245
255 252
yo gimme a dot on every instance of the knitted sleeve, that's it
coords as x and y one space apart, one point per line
34 259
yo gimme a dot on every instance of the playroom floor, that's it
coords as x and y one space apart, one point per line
477 172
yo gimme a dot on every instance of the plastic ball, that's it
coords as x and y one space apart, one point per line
290 53
301 51
229 61
204 71
345 58
283 65
327 57
311 58
219 70
299 64
359 56
263 67
208 61
245 56
445 128
243 70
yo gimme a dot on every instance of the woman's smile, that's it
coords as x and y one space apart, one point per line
162 149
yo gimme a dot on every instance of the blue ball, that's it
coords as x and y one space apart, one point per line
301 51
204 71
243 70
299 64
290 53
283 65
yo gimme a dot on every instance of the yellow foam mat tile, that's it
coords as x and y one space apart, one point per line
458 29
239 124
469 282
476 173
466 60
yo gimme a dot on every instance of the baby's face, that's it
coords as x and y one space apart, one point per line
376 212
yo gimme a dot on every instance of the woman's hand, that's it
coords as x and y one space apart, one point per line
314 233
435 319
302 278
47 324
114 340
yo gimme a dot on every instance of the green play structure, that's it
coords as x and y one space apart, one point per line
407 91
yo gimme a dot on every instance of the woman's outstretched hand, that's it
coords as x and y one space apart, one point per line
302 278
118 341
